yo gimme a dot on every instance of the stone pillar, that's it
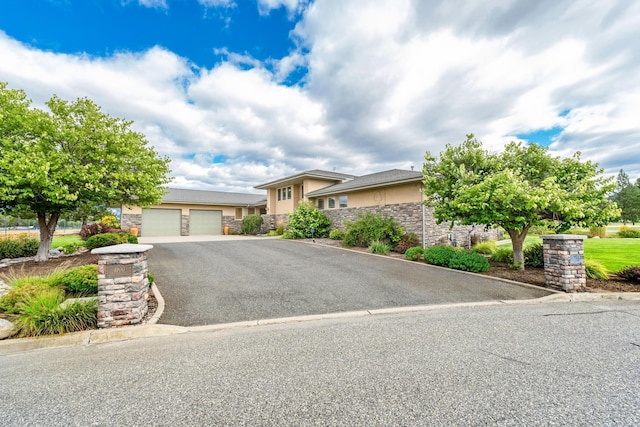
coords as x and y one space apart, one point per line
564 261
123 286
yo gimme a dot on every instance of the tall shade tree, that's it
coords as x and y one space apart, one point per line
74 155
518 188
627 197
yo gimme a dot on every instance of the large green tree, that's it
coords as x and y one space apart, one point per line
627 197
515 189
52 162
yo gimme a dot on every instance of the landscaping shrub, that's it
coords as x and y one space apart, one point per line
468 261
25 287
101 240
18 248
502 254
626 232
378 247
414 253
595 270
439 255
303 219
94 228
406 241
71 248
534 255
251 224
630 273
336 234
486 248
151 278
43 315
81 280
111 221
598 232
369 228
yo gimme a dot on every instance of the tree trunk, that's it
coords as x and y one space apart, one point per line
47 228
517 241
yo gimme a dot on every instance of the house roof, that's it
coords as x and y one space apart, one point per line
315 173
203 197
379 179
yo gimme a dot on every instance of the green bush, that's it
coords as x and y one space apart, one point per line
406 241
439 255
101 240
486 248
598 231
43 314
151 278
25 287
81 280
336 234
378 247
303 219
469 261
595 270
71 248
131 238
630 273
369 228
502 254
18 248
251 224
414 253
534 255
628 233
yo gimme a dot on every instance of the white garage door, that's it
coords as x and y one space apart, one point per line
204 222
160 222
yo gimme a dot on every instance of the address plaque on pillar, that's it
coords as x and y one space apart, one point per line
111 271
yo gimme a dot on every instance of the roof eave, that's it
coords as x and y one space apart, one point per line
326 191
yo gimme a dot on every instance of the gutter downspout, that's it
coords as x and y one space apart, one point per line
424 231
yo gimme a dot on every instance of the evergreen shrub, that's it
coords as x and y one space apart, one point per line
469 261
439 255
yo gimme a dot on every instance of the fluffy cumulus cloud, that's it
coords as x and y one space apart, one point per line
384 82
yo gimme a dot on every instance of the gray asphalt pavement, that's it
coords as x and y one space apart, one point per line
229 281
574 364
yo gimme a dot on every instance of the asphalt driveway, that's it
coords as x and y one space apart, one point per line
213 282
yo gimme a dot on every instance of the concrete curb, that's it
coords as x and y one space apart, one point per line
154 330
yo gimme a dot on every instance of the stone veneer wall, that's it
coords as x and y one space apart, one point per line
184 225
131 220
123 299
409 216
564 261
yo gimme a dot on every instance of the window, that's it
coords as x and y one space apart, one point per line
343 201
332 202
279 194
302 191
238 213
251 211
288 193
320 203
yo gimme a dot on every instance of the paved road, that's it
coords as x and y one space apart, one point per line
572 364
219 282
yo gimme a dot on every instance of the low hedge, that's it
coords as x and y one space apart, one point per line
109 239
469 261
439 255
18 248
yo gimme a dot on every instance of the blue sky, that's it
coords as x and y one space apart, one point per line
241 92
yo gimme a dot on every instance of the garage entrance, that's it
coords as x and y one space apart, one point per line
161 222
203 222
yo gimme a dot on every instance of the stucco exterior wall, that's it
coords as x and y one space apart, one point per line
226 210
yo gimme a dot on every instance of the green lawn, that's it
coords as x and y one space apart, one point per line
613 253
65 240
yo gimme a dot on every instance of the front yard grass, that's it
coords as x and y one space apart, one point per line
613 253
66 240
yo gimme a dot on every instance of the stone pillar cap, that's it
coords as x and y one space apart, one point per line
126 248
564 236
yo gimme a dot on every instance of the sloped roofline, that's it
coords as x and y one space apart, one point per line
206 197
316 173
374 180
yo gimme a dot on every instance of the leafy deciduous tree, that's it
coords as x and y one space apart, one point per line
53 162
627 197
516 189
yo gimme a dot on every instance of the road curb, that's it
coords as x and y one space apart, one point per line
155 330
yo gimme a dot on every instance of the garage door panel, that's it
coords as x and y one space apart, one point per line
161 222
205 222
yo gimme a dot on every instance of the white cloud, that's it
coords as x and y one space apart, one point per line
218 3
293 6
386 81
160 4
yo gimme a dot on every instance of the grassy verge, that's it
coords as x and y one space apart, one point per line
65 240
613 253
